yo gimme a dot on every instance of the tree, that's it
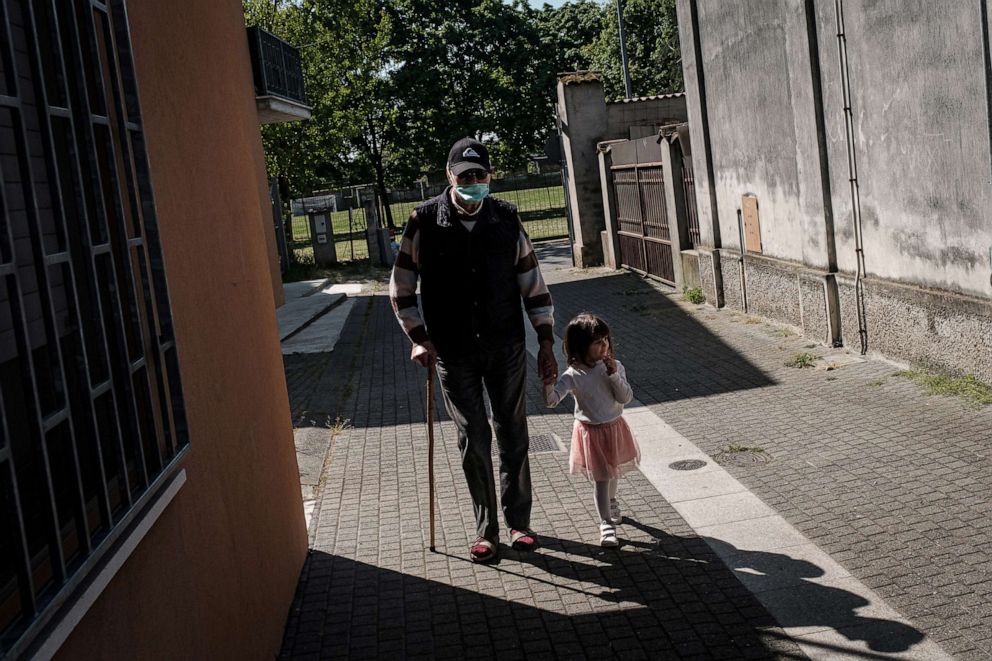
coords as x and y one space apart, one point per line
653 53
362 30
304 154
393 83
569 33
468 68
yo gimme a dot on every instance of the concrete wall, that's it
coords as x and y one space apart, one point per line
921 115
215 576
935 329
653 111
765 97
761 124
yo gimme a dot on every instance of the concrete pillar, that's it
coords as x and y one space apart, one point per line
675 206
611 246
582 115
706 205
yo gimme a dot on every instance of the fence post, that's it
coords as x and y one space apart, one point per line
380 251
277 221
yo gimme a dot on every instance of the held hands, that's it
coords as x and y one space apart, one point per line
611 365
424 354
547 365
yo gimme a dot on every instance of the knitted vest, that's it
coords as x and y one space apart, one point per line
468 280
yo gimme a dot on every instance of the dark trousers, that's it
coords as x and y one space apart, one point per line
502 373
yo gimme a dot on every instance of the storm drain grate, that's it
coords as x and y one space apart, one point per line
540 443
687 465
546 443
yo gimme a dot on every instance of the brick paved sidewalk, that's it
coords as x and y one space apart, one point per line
889 481
371 589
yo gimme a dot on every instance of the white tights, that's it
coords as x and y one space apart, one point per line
605 492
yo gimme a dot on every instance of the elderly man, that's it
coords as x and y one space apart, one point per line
475 263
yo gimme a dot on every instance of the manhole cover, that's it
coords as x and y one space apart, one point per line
687 465
745 457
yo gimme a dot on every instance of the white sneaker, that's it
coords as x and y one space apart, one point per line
615 514
608 535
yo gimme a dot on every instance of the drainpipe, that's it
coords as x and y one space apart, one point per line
623 52
740 260
852 168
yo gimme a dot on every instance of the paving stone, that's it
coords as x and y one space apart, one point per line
891 483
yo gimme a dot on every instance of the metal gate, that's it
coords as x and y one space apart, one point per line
643 220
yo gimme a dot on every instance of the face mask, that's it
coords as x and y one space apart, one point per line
473 192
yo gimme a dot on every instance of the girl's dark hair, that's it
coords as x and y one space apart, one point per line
581 332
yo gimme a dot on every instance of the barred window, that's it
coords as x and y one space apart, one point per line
92 421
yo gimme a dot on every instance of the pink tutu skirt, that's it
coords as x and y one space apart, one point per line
603 452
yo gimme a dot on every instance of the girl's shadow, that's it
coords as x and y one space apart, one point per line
671 568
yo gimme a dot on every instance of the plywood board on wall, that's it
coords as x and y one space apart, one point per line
752 228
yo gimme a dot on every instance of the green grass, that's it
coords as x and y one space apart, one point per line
801 360
345 271
966 387
542 211
742 448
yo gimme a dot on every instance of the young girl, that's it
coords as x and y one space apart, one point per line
603 447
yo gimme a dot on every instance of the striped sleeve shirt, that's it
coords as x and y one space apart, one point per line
406 270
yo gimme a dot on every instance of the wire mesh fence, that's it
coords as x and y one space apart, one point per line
539 198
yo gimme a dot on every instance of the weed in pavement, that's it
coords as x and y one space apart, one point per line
966 387
800 360
693 294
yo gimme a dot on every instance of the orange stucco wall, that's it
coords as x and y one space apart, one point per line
215 577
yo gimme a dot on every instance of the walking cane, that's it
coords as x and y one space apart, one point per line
430 445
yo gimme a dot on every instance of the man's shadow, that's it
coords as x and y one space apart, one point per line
814 605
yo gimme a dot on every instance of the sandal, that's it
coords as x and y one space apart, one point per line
608 535
523 540
483 550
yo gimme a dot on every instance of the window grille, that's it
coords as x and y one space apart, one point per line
92 420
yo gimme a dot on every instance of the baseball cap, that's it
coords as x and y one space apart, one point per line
468 154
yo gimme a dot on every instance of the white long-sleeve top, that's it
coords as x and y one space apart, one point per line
599 397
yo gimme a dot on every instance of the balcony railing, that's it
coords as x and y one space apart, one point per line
278 73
